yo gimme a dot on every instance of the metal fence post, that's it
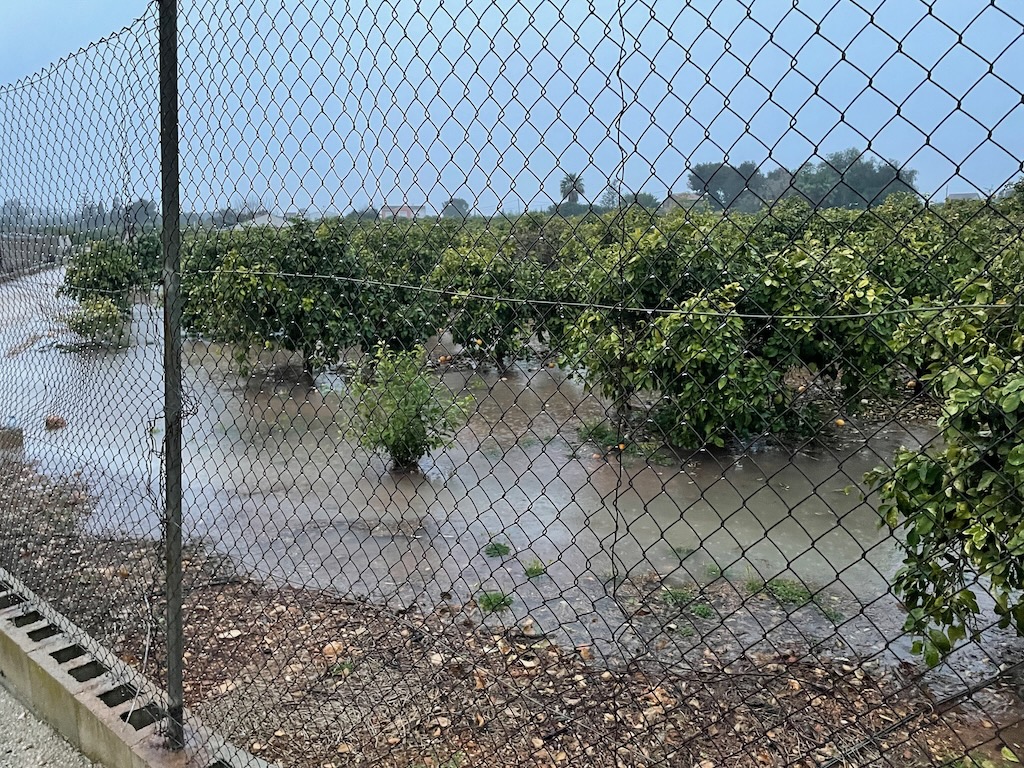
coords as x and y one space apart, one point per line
171 243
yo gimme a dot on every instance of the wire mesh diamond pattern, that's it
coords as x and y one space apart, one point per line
564 384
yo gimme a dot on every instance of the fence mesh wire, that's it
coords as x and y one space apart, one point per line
79 457
581 384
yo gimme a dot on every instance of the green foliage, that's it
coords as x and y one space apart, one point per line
571 187
687 598
727 186
289 288
99 320
494 602
958 506
788 591
702 611
488 304
343 668
692 321
398 409
148 255
851 179
712 388
538 237
456 207
1006 759
601 433
828 314
644 200
106 269
678 597
395 259
535 568
497 549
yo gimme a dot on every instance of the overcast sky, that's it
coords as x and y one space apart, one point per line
335 105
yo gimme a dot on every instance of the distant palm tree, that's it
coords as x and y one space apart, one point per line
571 187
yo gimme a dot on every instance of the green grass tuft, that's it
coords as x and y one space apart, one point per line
343 668
678 597
829 612
494 602
702 611
497 549
535 568
789 591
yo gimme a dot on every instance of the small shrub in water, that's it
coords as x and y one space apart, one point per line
98 319
106 270
398 409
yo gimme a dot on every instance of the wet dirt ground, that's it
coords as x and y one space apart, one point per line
272 480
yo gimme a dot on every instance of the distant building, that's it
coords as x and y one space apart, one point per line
404 211
677 200
264 220
963 196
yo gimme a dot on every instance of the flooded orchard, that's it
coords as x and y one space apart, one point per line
273 480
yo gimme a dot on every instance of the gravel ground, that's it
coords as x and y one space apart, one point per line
26 742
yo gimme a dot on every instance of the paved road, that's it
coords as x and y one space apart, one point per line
25 742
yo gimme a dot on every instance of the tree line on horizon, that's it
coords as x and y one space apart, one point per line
848 179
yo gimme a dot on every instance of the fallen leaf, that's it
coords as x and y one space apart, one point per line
663 697
436 724
231 634
333 650
654 714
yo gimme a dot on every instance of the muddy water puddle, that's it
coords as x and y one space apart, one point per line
273 479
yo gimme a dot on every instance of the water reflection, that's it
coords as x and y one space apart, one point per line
273 479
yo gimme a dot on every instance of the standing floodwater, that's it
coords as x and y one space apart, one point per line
272 480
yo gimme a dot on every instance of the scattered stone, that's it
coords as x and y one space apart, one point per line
53 421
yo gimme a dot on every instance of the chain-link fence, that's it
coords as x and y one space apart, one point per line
80 473
560 384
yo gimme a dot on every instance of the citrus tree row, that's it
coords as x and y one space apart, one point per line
695 321
707 316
